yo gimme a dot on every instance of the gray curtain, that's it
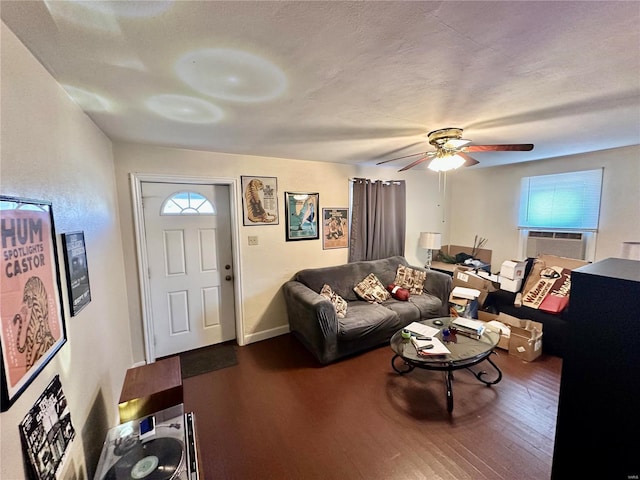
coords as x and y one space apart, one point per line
378 219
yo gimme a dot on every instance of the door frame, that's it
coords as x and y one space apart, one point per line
143 261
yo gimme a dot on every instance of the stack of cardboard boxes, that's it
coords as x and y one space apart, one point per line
522 338
512 275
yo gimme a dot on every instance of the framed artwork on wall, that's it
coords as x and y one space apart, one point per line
46 433
335 228
75 261
301 210
259 200
31 318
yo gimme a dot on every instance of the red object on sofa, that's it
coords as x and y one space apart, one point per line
398 293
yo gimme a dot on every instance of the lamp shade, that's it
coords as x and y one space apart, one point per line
631 250
430 240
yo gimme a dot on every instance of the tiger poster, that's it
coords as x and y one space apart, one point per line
260 200
32 323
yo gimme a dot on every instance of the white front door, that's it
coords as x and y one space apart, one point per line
188 241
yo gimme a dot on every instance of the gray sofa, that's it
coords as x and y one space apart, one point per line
313 319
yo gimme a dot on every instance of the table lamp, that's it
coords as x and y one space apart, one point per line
431 241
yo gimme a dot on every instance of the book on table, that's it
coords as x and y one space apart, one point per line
469 325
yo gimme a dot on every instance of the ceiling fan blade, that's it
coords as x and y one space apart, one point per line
468 161
520 147
455 143
417 162
399 158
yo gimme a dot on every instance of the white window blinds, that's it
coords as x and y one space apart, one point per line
561 201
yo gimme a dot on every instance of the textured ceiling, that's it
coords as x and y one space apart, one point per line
349 82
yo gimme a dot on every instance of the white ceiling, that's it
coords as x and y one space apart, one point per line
348 82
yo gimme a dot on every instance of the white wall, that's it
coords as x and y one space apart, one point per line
485 201
52 151
266 267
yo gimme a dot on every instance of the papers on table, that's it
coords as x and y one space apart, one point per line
421 329
429 332
437 349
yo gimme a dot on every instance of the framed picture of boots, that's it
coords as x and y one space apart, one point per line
260 200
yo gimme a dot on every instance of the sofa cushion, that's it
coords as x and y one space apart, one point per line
371 290
367 319
407 311
339 303
429 306
411 279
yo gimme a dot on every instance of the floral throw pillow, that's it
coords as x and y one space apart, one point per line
411 279
371 290
338 302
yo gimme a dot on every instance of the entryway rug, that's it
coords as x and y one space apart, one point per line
207 359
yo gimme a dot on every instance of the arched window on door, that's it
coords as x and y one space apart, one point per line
187 203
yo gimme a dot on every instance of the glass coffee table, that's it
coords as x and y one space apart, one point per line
465 353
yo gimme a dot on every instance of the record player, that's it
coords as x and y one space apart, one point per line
160 446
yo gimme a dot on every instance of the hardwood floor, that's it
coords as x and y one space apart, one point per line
278 414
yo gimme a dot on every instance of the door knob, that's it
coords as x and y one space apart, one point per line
227 278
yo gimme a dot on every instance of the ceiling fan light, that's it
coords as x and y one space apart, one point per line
445 163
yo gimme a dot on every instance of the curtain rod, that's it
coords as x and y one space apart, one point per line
398 182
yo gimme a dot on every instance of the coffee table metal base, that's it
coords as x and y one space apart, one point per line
407 366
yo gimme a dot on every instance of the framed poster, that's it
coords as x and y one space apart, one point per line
335 228
31 318
259 200
46 433
75 261
301 210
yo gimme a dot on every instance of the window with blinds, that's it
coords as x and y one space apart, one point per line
563 201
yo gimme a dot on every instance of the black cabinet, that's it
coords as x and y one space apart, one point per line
598 427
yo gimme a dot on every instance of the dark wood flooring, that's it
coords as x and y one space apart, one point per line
278 414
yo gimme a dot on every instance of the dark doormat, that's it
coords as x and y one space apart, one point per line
207 359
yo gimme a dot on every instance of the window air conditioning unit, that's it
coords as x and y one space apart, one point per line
562 244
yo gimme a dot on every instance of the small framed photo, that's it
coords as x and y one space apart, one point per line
75 259
335 228
301 210
260 200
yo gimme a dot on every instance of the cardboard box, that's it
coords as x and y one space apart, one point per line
466 277
487 317
512 270
524 339
525 344
510 285
462 295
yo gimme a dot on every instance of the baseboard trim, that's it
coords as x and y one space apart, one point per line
266 334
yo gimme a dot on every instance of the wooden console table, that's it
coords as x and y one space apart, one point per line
150 388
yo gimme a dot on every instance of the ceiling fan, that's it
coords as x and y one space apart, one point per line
452 151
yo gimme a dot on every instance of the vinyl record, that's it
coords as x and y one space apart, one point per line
157 459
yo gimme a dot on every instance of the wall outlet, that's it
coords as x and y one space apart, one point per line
253 240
